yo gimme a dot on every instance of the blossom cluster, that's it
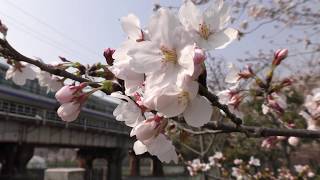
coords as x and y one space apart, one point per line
160 66
242 170
312 112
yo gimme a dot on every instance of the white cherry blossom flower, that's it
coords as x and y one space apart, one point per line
218 155
237 161
20 72
127 111
312 113
233 98
173 101
254 161
52 82
121 67
168 54
208 29
276 103
159 146
237 173
233 74
293 141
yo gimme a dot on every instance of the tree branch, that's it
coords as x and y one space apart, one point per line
8 51
263 131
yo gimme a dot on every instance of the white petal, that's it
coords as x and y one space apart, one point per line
71 117
162 147
139 148
146 57
224 96
219 40
19 78
224 13
198 112
189 15
265 109
131 25
170 105
233 74
186 59
161 26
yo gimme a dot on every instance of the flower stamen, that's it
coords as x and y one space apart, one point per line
169 55
204 31
183 98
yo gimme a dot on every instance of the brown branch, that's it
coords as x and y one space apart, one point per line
9 52
264 131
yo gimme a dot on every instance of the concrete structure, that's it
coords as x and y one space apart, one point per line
64 174
28 119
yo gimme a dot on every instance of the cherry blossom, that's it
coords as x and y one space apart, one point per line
20 72
168 55
235 75
121 67
150 138
237 161
69 111
71 99
254 161
159 146
127 111
293 141
173 101
52 82
208 29
312 113
69 92
275 103
232 97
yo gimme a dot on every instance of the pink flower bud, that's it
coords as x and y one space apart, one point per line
199 56
3 28
108 55
279 55
69 111
247 73
67 93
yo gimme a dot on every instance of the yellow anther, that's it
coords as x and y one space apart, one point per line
183 98
204 31
169 55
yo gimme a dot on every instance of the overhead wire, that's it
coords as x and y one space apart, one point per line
54 29
39 35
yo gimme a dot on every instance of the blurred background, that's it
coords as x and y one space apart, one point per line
80 30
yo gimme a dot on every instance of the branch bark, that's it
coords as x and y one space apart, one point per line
8 51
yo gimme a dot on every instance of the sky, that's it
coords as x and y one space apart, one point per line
80 29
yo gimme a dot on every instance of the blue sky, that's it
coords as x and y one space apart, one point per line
81 29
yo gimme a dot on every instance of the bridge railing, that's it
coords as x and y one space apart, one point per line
88 119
